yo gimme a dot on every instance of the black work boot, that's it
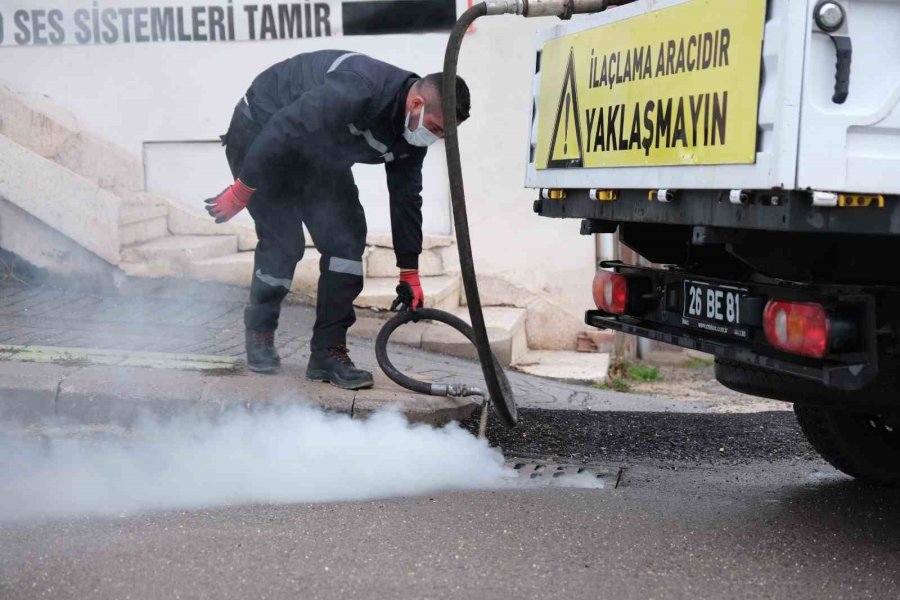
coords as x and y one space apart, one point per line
333 365
262 357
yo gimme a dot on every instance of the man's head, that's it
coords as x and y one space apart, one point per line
425 98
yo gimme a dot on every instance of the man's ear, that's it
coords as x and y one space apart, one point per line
417 102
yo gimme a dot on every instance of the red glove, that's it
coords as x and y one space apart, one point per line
230 202
411 277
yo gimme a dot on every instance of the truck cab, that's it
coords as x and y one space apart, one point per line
749 151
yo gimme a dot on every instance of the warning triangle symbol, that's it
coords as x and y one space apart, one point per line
565 144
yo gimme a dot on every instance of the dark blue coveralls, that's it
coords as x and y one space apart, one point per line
303 123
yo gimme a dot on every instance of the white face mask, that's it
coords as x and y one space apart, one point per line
422 136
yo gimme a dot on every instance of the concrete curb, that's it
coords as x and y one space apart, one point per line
60 355
38 393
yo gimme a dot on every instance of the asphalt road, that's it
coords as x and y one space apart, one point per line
665 438
693 523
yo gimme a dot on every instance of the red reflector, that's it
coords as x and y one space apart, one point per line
797 327
611 292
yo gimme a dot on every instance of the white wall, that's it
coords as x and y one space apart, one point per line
132 94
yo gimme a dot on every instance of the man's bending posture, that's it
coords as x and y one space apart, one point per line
292 140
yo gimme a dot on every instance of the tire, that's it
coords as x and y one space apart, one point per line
864 446
863 442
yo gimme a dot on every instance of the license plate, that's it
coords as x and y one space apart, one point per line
714 308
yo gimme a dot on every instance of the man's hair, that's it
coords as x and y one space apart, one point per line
434 83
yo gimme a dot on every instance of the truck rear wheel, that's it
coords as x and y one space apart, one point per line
857 432
864 446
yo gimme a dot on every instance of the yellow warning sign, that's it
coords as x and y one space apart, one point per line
677 86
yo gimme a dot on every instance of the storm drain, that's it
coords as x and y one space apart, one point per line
552 474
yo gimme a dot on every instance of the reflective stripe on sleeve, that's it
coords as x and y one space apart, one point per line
340 59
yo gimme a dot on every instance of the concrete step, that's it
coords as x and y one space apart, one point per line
596 340
584 367
144 199
429 242
440 292
506 333
505 326
146 270
135 213
180 249
237 269
143 231
233 269
382 262
185 222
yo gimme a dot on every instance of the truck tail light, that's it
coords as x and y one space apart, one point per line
797 327
611 292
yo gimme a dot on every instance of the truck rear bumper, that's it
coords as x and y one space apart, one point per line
847 377
658 314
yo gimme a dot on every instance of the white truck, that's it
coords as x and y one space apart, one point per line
751 149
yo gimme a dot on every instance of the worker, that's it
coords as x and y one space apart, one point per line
292 140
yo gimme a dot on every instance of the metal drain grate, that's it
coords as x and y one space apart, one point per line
548 473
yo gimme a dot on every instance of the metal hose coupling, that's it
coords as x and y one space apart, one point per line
505 7
564 9
457 390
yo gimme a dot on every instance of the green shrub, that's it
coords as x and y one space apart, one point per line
643 373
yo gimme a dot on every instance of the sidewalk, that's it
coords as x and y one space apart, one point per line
200 329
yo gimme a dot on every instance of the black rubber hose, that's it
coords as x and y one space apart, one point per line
423 314
498 388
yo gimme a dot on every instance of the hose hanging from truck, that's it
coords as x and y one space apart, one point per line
499 392
498 388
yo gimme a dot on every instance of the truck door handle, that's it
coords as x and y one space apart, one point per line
844 50
831 18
